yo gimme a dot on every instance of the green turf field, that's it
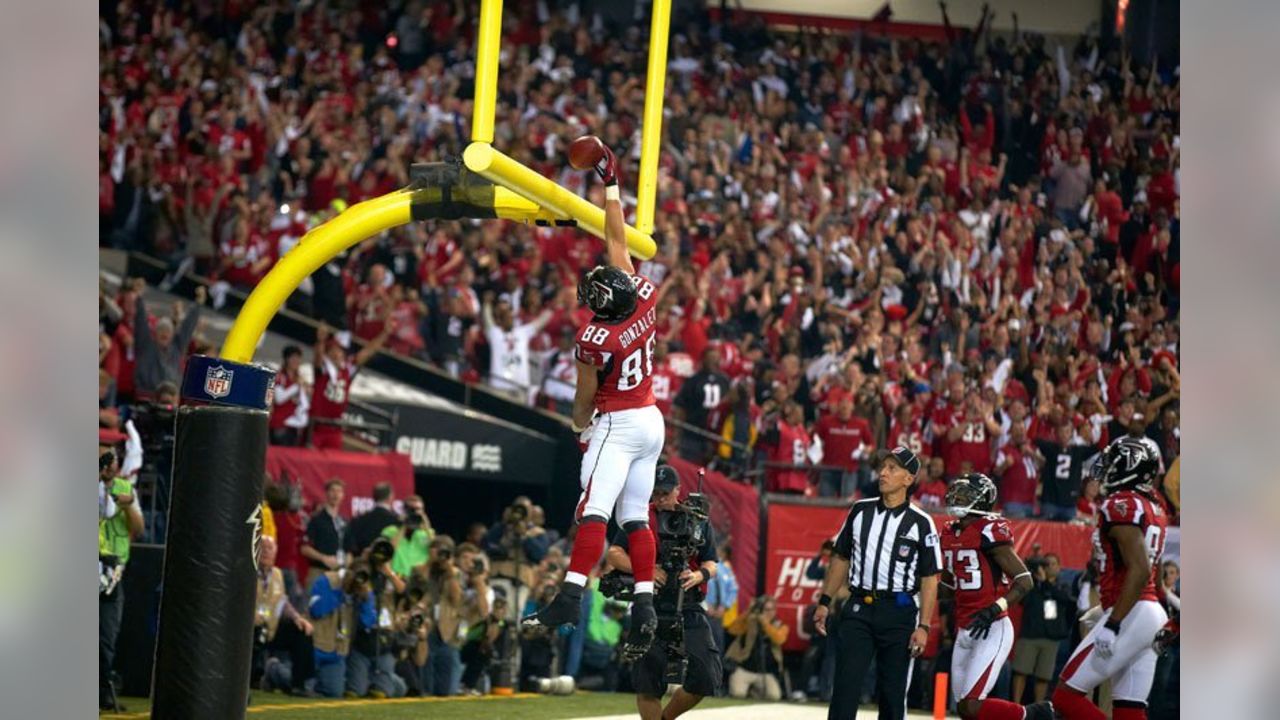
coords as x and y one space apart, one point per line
522 707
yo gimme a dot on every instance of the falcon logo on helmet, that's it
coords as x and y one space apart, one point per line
1128 463
610 292
971 494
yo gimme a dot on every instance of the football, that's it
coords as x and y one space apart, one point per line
585 152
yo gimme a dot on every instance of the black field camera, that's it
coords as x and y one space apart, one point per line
680 533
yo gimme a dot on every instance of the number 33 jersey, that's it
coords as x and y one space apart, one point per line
1127 508
965 554
622 353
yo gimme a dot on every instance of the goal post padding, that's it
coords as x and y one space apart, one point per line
208 600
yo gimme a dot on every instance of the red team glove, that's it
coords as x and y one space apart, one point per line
607 168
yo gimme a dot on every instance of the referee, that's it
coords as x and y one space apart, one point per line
888 554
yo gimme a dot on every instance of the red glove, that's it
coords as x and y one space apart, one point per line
607 168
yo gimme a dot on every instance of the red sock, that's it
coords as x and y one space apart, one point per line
993 709
1072 705
642 553
588 546
1128 713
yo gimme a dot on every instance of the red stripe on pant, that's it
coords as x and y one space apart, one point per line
1074 663
976 690
582 504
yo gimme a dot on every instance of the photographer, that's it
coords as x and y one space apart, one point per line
412 539
649 674
757 650
537 649
458 589
371 664
412 625
341 604
282 652
119 522
485 641
516 543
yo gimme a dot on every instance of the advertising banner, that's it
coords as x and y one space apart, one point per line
312 469
448 442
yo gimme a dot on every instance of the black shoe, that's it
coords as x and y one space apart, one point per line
564 609
1041 711
644 625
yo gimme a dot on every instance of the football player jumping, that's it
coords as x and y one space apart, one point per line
977 552
614 405
1127 546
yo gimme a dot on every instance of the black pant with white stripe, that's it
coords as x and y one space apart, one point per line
882 630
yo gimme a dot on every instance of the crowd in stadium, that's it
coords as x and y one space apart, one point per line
967 247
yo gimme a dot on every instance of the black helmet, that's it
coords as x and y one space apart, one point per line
971 493
609 292
1127 463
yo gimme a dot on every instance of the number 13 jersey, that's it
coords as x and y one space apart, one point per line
622 353
966 554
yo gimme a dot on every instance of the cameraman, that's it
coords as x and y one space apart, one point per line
457 586
371 666
757 643
282 650
516 543
119 522
486 640
704 670
412 539
412 624
341 604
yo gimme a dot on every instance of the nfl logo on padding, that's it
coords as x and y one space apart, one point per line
217 381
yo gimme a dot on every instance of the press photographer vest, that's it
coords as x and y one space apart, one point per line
271 600
332 633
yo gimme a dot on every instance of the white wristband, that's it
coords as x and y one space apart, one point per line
611 193
1003 603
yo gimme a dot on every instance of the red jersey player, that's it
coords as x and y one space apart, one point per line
987 576
614 404
1127 545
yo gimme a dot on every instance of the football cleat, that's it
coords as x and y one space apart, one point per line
1041 711
564 609
644 627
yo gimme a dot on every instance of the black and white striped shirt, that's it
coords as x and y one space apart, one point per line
889 549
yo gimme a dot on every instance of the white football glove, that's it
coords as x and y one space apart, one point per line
1104 641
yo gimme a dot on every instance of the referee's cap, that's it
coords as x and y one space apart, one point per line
905 458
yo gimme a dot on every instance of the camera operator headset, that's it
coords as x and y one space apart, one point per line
649 674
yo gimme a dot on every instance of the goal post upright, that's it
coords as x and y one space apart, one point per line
651 130
488 54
